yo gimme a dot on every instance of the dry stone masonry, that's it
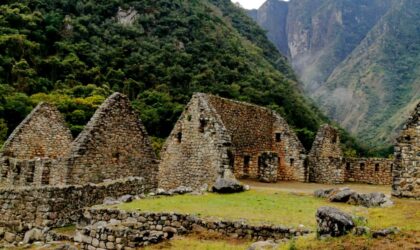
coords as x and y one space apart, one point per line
116 229
113 145
216 134
328 165
326 157
406 173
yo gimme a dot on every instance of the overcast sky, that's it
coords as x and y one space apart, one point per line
250 4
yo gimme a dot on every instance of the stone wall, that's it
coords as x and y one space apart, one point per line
326 158
43 133
115 229
25 207
17 172
198 149
368 170
406 173
255 130
113 145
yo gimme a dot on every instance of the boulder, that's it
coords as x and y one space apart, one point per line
227 183
370 200
323 193
32 235
181 190
9 237
126 198
385 232
342 195
110 201
263 245
333 222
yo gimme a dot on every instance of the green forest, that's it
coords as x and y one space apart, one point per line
76 53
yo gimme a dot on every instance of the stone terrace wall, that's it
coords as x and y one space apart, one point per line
17 172
254 131
116 229
406 174
113 145
22 208
197 150
326 158
43 133
368 170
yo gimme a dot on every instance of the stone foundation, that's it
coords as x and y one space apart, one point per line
115 229
26 207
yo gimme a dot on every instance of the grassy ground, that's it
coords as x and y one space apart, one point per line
276 207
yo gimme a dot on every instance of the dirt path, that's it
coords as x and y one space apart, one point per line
308 188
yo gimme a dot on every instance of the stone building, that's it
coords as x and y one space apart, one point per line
326 157
27 155
406 174
114 144
214 135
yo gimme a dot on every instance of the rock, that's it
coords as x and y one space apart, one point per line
342 195
1 232
263 245
32 235
332 221
359 231
370 200
323 193
126 198
181 190
9 237
385 232
227 184
110 201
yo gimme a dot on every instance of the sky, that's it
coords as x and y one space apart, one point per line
250 4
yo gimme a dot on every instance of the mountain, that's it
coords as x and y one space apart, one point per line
357 59
157 52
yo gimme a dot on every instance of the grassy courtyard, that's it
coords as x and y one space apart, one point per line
276 207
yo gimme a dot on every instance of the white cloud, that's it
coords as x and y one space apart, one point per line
250 4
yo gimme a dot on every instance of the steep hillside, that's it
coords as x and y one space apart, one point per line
158 52
374 89
357 59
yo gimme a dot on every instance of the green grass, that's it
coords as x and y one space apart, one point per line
274 207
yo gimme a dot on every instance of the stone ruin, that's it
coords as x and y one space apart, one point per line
113 145
27 155
327 164
325 157
215 135
406 174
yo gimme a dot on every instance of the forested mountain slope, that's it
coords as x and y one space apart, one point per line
358 59
158 52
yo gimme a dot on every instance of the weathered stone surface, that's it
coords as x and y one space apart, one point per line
227 185
115 138
135 234
9 237
323 193
214 134
32 235
341 195
385 232
325 157
370 200
263 245
333 222
126 198
406 174
368 170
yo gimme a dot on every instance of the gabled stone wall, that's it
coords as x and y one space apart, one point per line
326 158
198 149
406 174
256 130
113 145
42 134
